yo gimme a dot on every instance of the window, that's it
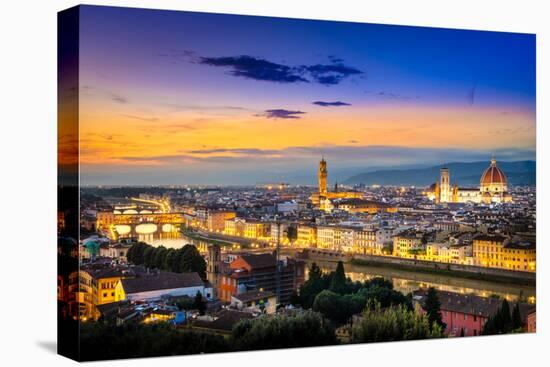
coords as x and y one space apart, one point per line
104 294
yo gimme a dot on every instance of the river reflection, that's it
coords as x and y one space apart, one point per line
403 281
178 242
407 281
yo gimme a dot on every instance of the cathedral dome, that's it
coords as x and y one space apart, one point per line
493 175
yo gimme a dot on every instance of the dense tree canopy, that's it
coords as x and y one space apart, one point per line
268 332
504 320
103 341
378 324
338 298
182 260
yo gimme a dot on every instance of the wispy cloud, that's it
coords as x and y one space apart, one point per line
255 68
281 114
379 155
193 107
472 94
331 104
240 151
142 118
383 94
119 99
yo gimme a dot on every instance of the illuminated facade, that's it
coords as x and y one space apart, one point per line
405 244
322 199
307 236
499 252
215 221
493 188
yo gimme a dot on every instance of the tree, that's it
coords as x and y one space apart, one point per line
159 257
170 260
313 286
100 340
190 260
386 297
148 255
432 306
135 253
393 323
199 303
500 322
331 305
304 329
516 318
338 282
505 316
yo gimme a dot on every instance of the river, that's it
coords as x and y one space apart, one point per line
403 280
407 281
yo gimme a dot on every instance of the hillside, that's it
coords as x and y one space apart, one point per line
464 174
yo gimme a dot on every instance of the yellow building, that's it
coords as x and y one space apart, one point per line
496 251
257 230
215 221
328 237
355 205
93 287
406 243
307 236
104 220
234 227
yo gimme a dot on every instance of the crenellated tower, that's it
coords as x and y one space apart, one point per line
322 177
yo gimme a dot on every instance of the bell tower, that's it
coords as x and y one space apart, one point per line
322 177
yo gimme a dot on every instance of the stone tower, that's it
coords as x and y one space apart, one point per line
444 186
213 265
322 177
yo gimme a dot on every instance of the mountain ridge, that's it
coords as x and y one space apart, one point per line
462 173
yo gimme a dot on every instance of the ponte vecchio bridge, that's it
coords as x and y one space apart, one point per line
135 224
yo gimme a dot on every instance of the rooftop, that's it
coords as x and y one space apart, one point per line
162 280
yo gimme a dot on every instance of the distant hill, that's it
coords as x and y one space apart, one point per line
464 174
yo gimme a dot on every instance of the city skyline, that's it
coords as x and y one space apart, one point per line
230 106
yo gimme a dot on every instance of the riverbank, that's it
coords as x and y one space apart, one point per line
427 267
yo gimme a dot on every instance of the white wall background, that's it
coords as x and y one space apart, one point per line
28 179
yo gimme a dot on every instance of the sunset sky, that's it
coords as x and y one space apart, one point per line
193 98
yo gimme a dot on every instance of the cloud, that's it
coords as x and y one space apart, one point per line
331 74
391 95
331 104
472 94
335 59
185 107
239 151
254 68
281 114
339 156
251 67
118 99
149 119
